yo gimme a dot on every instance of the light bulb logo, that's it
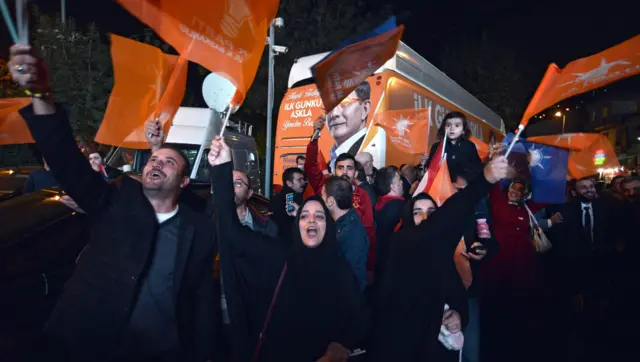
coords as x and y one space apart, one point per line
237 13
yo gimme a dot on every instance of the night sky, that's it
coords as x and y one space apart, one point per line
542 31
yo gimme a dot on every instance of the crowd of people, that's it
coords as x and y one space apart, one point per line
365 268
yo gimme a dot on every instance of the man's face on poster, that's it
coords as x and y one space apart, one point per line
347 118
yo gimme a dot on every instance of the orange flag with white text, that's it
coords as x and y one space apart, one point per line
407 129
147 84
224 36
585 74
13 129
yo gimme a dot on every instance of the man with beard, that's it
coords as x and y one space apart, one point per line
293 182
143 289
584 251
97 164
345 166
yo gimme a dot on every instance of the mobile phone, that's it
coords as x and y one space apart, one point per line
289 198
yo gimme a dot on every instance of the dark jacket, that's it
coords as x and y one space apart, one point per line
354 243
263 224
373 197
419 278
92 315
38 180
471 236
389 210
461 157
277 206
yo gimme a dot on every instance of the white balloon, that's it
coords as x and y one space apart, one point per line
218 92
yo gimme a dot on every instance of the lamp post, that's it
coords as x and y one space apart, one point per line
273 51
564 118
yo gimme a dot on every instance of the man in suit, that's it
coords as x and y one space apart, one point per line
347 122
143 290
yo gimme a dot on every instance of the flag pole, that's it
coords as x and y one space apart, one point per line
514 140
226 120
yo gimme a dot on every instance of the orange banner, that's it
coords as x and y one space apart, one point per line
583 75
147 84
224 36
407 129
341 73
599 155
13 129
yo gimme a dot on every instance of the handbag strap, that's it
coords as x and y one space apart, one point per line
256 353
532 218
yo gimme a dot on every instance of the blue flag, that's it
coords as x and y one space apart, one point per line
545 167
548 167
388 25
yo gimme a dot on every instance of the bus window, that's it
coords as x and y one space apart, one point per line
240 160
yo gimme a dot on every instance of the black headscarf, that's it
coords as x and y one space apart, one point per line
314 262
407 217
319 301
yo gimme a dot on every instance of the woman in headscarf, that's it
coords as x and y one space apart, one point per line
511 293
303 305
420 276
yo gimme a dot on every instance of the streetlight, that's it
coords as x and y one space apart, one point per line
564 117
273 51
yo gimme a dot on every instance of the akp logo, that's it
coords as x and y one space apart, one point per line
237 14
595 75
402 126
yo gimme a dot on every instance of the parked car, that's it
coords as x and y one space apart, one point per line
12 180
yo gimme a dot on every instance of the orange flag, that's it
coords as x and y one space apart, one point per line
597 156
147 84
13 129
341 72
588 152
483 148
442 187
224 36
583 75
407 129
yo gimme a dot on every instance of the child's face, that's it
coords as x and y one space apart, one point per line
454 128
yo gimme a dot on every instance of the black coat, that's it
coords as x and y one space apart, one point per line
461 157
419 278
319 301
92 315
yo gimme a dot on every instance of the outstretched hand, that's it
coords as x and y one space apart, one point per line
219 152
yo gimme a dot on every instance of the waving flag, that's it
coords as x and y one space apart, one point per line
147 84
13 129
442 188
407 129
481 147
588 152
549 167
224 36
340 72
583 75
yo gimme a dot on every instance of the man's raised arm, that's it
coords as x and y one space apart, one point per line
49 126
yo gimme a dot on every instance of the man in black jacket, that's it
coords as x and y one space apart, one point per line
293 182
143 289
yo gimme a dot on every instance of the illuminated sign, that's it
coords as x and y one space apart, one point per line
599 158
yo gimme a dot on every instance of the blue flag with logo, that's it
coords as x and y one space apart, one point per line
545 167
